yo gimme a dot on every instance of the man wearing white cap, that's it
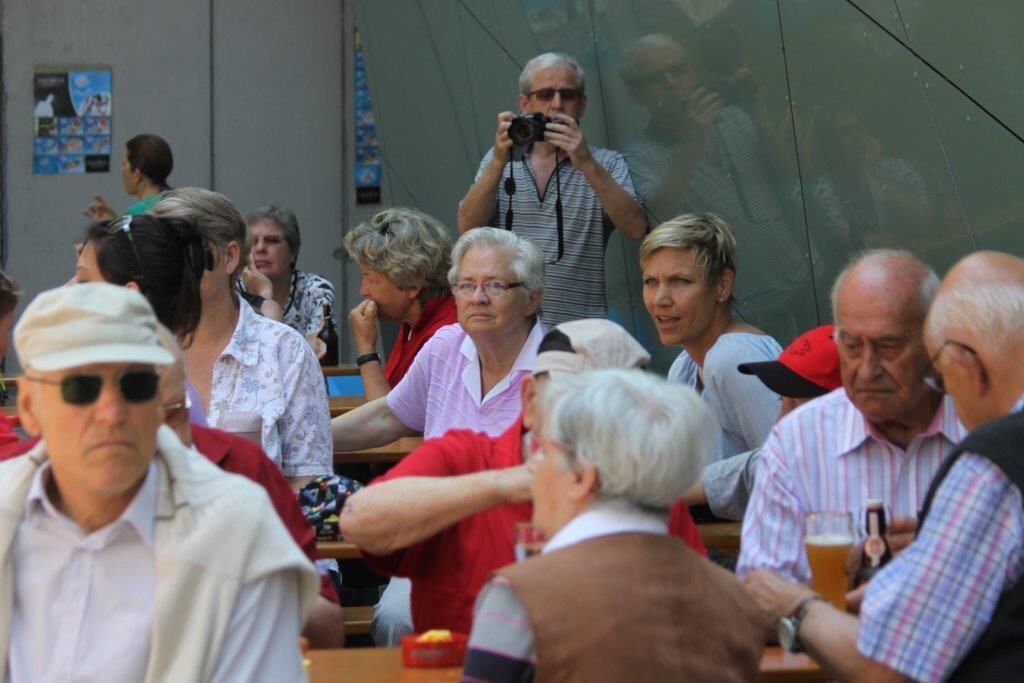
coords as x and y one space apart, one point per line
124 556
445 516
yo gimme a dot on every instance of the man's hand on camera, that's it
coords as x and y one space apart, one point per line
502 142
564 133
703 108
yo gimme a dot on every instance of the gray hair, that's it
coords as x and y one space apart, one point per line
639 52
928 281
648 438
525 257
407 246
218 220
547 61
284 218
991 311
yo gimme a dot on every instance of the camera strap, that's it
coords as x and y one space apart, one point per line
510 189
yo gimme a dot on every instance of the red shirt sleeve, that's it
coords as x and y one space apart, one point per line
681 524
247 459
431 459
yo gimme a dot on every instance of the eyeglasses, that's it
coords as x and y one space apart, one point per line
492 288
672 71
933 380
137 386
124 225
176 413
548 94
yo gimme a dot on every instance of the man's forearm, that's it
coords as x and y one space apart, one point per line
398 513
830 637
624 211
477 207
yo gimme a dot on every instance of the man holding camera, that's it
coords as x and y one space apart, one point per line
545 182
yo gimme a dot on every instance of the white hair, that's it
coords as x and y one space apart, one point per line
928 281
547 61
991 311
524 256
647 438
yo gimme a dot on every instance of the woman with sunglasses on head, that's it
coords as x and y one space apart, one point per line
404 256
254 375
164 259
146 163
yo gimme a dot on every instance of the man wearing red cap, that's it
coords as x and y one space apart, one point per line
806 369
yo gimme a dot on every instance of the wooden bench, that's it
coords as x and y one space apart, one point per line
357 620
338 550
393 452
339 405
342 370
721 536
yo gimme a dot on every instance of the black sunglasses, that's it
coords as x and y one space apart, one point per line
124 225
137 386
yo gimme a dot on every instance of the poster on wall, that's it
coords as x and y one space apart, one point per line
367 167
71 121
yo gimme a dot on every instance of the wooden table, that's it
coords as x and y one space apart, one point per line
393 452
338 550
723 536
339 405
339 370
380 665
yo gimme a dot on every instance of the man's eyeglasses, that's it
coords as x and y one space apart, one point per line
176 413
933 380
672 71
492 288
548 94
137 386
124 225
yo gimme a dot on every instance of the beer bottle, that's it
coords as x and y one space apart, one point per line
876 553
329 336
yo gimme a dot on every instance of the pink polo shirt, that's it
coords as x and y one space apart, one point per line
441 391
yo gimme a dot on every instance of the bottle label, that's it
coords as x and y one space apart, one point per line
874 548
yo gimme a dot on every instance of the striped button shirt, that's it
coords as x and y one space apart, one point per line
574 286
827 456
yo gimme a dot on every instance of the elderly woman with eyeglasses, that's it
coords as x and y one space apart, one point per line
404 256
467 375
617 448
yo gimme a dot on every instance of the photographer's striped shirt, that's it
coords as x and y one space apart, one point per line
574 286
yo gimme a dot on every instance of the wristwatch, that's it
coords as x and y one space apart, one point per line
367 357
789 627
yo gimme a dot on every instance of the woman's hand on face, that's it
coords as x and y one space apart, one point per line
99 211
363 321
256 282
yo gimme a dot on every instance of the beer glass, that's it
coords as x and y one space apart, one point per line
828 537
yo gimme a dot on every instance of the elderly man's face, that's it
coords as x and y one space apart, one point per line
102 448
483 312
881 348
663 79
554 81
960 371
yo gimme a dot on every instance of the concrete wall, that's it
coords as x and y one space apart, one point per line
249 94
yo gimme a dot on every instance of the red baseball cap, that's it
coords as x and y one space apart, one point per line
808 367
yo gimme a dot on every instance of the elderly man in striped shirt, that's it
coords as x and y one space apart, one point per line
949 607
883 435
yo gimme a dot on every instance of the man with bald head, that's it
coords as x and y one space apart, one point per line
881 436
949 607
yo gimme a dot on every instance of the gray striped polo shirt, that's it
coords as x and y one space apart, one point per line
574 287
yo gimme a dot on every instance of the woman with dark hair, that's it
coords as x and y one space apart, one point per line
146 163
163 258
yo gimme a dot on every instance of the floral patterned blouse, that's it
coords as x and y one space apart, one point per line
304 310
268 372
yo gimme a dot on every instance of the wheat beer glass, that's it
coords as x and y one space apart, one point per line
828 537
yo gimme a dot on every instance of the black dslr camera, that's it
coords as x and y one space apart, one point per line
525 130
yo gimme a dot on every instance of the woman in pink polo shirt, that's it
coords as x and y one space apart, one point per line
468 375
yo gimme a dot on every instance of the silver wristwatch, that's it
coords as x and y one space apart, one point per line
789 627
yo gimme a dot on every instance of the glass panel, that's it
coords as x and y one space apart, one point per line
975 44
872 166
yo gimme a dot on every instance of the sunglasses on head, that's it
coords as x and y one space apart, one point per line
136 386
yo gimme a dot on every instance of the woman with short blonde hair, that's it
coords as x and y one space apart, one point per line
689 270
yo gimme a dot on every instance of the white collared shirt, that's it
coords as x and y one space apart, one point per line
269 370
606 519
82 601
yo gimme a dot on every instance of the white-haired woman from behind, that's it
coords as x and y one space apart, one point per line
612 594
